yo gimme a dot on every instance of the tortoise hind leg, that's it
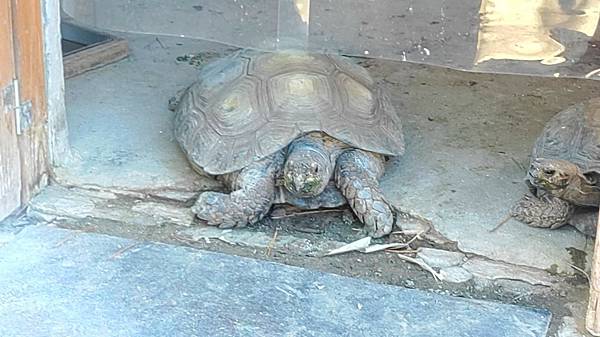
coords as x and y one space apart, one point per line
546 211
585 219
356 175
253 192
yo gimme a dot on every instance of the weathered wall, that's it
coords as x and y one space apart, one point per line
58 139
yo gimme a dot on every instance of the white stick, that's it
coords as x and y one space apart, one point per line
592 319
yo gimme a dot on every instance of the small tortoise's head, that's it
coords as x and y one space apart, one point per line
306 172
552 174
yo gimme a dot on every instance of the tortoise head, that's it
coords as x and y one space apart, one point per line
307 171
553 175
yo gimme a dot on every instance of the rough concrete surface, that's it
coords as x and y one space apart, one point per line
134 216
58 282
455 33
120 127
468 139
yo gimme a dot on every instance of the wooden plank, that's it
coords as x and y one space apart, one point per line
10 165
95 56
33 143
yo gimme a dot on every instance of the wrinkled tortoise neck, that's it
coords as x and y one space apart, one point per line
582 192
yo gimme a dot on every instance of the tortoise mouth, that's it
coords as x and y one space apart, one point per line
303 187
546 183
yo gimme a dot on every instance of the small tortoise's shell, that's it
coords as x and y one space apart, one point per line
573 135
250 105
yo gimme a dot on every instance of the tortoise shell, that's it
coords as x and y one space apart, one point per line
252 104
573 135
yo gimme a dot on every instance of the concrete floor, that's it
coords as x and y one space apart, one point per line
119 122
468 141
134 288
468 137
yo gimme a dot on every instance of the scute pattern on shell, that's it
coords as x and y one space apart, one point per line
573 135
251 104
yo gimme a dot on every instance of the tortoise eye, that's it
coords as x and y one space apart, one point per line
289 182
550 171
592 178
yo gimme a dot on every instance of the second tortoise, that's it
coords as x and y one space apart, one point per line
564 174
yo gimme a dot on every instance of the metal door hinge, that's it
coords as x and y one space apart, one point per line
8 97
23 114
12 104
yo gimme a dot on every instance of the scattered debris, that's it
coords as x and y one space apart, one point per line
421 264
407 232
197 60
519 164
502 222
282 214
120 252
66 238
364 246
386 246
583 272
308 230
352 246
411 223
272 242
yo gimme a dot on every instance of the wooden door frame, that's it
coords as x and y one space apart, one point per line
59 151
10 158
43 144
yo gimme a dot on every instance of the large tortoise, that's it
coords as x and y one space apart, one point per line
306 129
564 173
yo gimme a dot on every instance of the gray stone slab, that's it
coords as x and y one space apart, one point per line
55 282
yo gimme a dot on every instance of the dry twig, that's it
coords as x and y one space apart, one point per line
423 265
120 252
408 232
587 276
351 247
505 220
592 318
272 243
317 211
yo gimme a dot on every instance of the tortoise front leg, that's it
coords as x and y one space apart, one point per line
253 192
357 176
545 212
